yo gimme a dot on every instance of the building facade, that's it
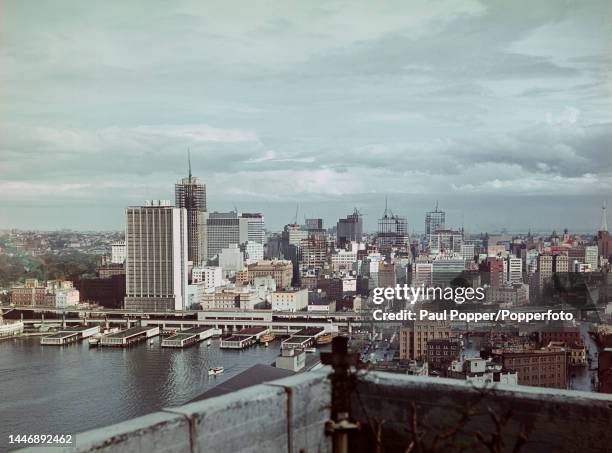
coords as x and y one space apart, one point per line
190 194
156 260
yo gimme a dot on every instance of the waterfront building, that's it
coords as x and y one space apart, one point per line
290 299
230 298
156 261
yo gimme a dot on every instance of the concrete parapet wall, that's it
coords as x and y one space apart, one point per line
535 419
289 415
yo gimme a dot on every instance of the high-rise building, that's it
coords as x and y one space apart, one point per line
446 241
591 256
255 226
446 267
313 252
513 269
314 225
349 229
468 251
118 252
156 260
492 271
253 251
225 228
386 275
434 220
422 271
392 230
603 238
190 193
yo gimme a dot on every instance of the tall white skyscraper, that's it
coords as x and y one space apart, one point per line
156 261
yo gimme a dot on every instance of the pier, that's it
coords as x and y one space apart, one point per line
304 338
129 337
69 335
189 337
244 338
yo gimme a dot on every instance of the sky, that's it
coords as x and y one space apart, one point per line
501 110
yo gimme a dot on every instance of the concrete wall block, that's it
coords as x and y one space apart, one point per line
310 401
535 413
156 432
249 420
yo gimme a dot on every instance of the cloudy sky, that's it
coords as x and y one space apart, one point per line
502 110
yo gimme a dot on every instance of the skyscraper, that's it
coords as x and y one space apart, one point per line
225 228
255 226
350 229
190 194
156 256
434 220
392 230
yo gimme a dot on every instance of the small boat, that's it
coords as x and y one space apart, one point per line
215 371
93 342
151 341
326 338
208 343
266 338
266 344
310 350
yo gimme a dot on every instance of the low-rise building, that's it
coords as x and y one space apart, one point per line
538 368
482 372
229 297
280 270
209 276
415 335
442 352
291 299
322 306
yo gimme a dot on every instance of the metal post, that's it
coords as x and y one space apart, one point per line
342 380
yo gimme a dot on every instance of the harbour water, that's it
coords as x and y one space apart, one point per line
70 389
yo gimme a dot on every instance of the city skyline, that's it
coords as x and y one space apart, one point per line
330 105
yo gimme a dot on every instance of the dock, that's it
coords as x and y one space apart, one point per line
185 338
69 335
304 338
129 337
244 338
